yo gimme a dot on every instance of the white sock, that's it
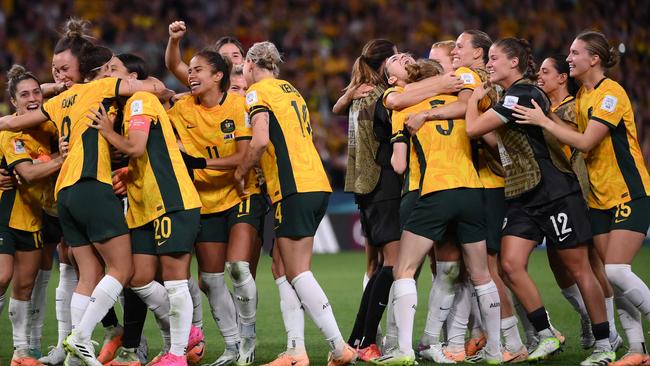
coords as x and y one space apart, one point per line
245 291
391 327
529 330
317 306
573 296
476 326
609 305
459 318
406 301
155 296
366 279
39 299
510 334
441 298
292 315
19 316
180 318
2 303
490 306
630 285
222 305
67 283
78 305
197 312
103 298
630 318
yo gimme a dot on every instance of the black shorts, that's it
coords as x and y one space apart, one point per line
173 232
380 221
437 212
215 228
299 215
563 222
90 212
494 203
406 206
12 240
51 229
633 216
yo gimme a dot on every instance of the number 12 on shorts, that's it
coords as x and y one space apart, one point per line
560 222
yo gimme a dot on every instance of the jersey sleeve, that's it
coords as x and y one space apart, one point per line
109 86
141 112
50 109
243 129
521 95
257 100
14 149
399 133
470 78
394 89
608 108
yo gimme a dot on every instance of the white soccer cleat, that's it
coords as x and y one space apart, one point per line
55 356
246 351
82 350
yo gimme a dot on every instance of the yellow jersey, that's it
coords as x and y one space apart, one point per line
566 111
22 208
471 79
617 171
291 163
158 181
212 133
88 156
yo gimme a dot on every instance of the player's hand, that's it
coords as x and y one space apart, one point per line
361 91
64 146
7 182
480 92
450 83
101 120
119 181
530 116
415 121
240 181
177 30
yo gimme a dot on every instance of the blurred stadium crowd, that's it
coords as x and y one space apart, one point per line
321 39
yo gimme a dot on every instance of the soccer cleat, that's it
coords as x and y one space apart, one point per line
196 336
546 347
369 353
285 359
482 356
515 357
55 356
170 359
474 345
632 359
349 356
82 350
618 342
196 353
436 353
143 350
587 339
21 357
532 341
246 351
395 359
71 360
229 357
558 335
112 342
599 358
125 357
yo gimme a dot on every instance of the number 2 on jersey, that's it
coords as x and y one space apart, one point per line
303 119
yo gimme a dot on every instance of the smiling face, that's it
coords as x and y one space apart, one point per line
396 67
548 77
118 70
232 52
28 96
443 57
499 67
579 59
65 68
200 76
238 84
464 54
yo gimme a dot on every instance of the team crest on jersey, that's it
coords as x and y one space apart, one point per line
510 102
19 147
228 126
136 107
609 103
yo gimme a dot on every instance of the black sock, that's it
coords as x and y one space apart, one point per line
378 301
600 330
135 313
539 319
360 321
110 319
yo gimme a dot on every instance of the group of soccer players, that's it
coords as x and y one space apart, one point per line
471 157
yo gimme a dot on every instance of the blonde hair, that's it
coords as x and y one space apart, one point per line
422 69
265 55
448 45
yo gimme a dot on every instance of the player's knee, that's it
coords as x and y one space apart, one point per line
510 269
239 271
616 273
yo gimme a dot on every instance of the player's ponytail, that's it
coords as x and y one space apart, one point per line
367 68
422 69
15 75
596 44
520 49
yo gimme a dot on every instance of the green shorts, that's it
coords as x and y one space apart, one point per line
461 208
299 215
89 212
12 240
51 229
173 232
633 216
406 206
494 204
215 228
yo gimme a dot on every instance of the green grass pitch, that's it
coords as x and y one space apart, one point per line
341 277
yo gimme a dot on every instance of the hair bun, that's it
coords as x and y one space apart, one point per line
612 59
16 71
76 27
